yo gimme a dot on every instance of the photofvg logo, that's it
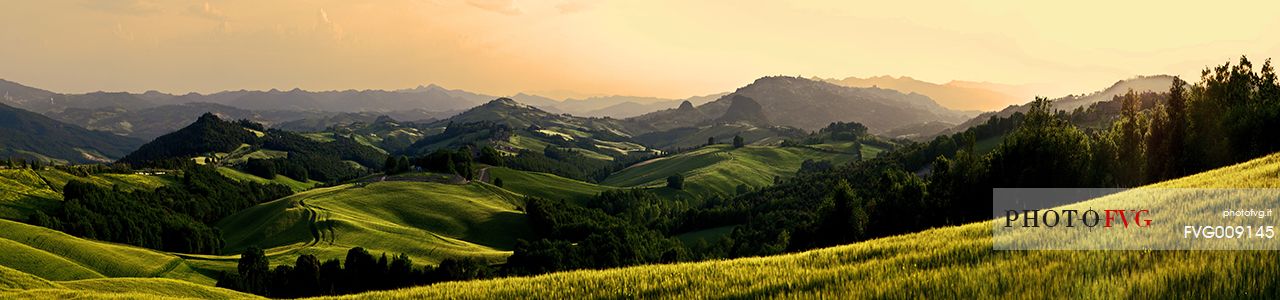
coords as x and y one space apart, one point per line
1134 219
1050 218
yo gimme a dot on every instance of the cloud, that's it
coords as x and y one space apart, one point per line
207 11
123 33
328 27
506 7
573 7
132 7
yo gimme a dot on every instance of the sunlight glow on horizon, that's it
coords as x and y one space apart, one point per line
574 48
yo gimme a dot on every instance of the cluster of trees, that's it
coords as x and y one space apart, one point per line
620 228
396 165
841 131
459 162
359 272
174 218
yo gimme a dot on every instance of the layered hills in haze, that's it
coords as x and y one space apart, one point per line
955 95
25 134
1154 83
810 105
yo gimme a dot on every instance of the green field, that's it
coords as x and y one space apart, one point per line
949 262
428 221
296 186
23 191
719 169
547 186
15 284
53 255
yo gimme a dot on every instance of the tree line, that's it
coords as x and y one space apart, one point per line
360 271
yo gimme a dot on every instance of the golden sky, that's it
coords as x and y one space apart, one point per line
658 48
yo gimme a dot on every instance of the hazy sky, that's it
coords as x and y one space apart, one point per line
644 48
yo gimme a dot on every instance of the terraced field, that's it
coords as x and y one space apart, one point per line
429 221
950 262
719 169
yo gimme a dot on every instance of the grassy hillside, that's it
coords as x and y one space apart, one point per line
951 262
428 221
23 191
543 185
53 255
721 168
15 284
296 186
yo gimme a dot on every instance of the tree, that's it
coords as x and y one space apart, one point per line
497 182
675 182
845 219
711 141
1045 151
490 156
264 168
1176 111
254 270
738 142
403 165
391 166
306 276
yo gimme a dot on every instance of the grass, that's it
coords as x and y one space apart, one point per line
719 169
547 186
54 255
949 262
296 186
259 154
15 284
24 191
426 220
868 151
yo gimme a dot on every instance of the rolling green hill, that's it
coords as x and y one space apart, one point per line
950 262
22 191
512 127
543 185
296 186
15 284
719 169
53 255
429 221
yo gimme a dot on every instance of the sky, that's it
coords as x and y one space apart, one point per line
574 48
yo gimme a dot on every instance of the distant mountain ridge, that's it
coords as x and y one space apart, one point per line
25 134
810 105
954 95
1153 83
